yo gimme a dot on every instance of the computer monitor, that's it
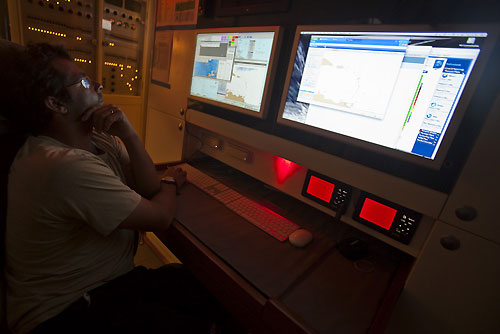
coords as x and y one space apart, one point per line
233 68
398 91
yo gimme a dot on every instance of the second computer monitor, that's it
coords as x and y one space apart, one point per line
233 68
395 90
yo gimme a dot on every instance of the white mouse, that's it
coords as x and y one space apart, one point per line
300 238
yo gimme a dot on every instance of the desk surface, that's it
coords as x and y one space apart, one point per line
319 286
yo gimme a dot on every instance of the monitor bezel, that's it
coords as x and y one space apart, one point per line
459 112
271 70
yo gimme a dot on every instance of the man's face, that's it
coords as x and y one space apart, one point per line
81 98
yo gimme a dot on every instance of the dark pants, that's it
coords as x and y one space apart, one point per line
164 300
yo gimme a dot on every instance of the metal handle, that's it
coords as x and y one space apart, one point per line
180 126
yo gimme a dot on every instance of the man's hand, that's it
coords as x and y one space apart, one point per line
178 174
110 119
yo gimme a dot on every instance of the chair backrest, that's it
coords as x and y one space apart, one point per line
11 140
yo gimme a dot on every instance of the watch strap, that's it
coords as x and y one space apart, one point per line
171 180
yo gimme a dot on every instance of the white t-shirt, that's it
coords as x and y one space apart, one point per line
64 205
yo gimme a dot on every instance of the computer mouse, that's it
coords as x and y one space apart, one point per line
300 238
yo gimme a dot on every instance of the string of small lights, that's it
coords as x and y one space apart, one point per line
48 32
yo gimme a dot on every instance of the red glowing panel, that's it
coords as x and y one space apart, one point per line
284 169
377 213
320 188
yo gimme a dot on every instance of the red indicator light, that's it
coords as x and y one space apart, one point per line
377 213
284 169
320 188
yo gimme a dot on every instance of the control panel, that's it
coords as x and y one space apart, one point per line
388 218
123 27
74 25
327 191
64 22
391 219
400 225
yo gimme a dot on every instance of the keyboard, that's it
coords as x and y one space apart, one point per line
255 213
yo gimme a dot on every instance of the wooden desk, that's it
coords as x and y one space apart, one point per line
273 287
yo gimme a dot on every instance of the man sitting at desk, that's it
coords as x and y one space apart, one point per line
76 199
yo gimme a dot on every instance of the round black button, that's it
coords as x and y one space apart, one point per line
450 242
466 213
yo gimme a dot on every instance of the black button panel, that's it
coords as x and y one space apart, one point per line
404 226
340 196
401 228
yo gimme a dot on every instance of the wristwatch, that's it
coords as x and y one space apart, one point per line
171 180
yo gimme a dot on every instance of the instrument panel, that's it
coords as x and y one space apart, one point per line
76 24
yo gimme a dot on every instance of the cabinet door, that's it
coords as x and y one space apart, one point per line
451 291
173 100
475 190
164 137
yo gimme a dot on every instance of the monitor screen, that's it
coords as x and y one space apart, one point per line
232 68
397 91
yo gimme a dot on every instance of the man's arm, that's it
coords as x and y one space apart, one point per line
109 118
144 177
155 214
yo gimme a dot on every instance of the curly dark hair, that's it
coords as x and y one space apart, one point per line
41 80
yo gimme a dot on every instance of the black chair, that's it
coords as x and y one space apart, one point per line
11 139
